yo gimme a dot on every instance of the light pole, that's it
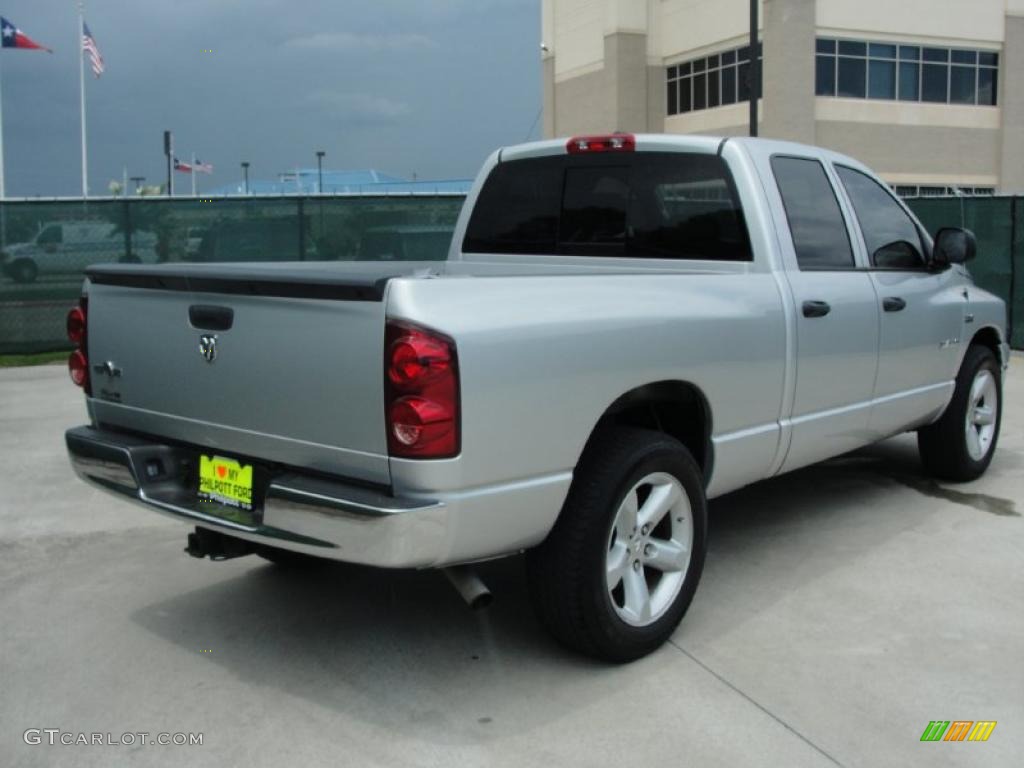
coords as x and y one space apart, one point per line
320 171
245 171
755 68
169 152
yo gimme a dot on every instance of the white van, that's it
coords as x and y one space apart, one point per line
68 247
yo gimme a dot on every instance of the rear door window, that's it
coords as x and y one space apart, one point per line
815 220
667 205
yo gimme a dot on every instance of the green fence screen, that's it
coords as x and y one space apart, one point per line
999 266
46 245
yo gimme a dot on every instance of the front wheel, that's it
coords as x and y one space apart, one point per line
959 446
620 567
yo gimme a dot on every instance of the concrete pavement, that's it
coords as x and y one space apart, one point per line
842 608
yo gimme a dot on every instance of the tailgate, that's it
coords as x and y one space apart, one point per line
297 378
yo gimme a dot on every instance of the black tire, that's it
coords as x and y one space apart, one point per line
24 271
285 558
943 445
567 571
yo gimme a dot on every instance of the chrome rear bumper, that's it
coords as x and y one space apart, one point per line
304 513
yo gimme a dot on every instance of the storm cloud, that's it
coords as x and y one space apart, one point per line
402 86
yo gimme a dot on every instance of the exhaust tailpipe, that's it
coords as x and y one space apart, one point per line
469 586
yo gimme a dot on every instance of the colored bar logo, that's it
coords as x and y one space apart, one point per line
958 730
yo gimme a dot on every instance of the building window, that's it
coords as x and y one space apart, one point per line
856 69
710 81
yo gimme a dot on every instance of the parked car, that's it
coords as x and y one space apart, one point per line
625 327
405 243
68 247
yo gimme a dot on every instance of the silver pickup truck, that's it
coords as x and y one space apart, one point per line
625 327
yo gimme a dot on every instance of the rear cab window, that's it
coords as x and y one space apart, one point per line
664 205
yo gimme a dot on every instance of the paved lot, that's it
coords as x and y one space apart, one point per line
842 608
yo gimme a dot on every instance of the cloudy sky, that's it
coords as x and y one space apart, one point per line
427 87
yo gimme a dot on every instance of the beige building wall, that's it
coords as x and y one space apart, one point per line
604 70
1011 160
625 80
937 21
788 77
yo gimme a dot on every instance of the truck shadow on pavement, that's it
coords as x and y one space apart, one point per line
396 649
400 649
770 539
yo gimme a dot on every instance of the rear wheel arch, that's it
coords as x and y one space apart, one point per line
676 408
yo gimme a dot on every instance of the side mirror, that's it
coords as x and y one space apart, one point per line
953 246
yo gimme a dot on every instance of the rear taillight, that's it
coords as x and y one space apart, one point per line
76 325
616 142
78 334
78 367
421 387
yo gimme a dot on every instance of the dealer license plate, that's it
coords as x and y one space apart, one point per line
225 481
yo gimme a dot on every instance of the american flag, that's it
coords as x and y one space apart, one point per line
89 46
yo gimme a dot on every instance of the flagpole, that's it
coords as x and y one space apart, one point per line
2 190
81 85
193 174
3 193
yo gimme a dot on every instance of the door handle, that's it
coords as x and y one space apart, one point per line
893 304
816 308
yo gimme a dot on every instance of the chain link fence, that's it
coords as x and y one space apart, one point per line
46 245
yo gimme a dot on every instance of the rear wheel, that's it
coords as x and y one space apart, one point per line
620 567
24 271
959 446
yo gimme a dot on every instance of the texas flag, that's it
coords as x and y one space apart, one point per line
12 37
